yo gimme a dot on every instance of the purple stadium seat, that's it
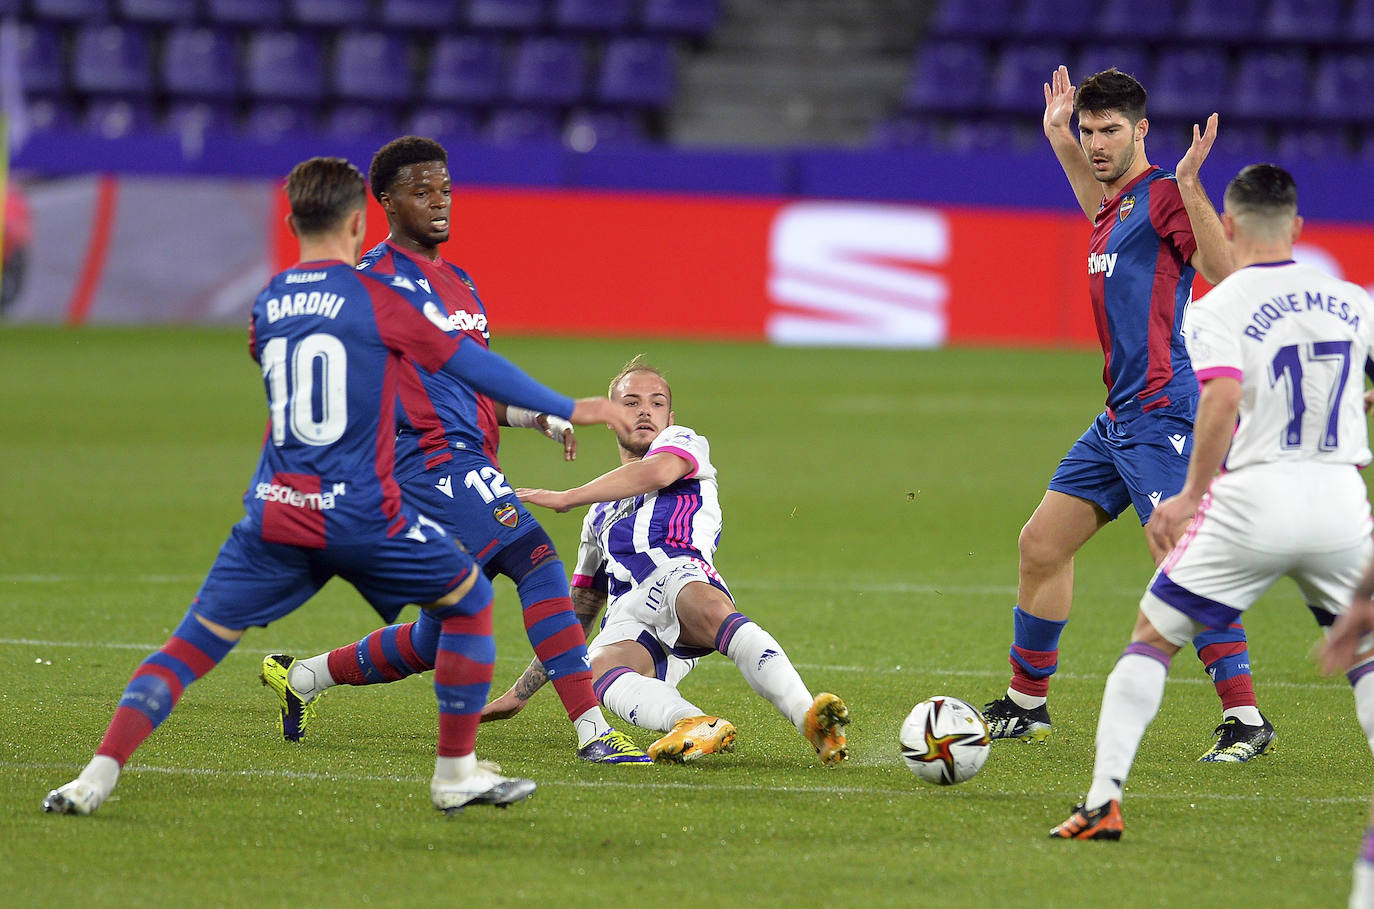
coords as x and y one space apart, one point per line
371 66
419 15
330 13
1343 88
1360 26
905 132
9 7
1234 21
40 59
88 11
269 121
48 114
1189 82
1303 21
1314 144
589 129
976 136
506 15
361 120
1061 20
637 72
593 15
548 71
513 126
948 76
199 62
464 69
1243 140
245 13
974 18
1272 85
1131 20
112 59
283 65
157 12
443 123
681 17
115 118
1129 58
1020 73
188 118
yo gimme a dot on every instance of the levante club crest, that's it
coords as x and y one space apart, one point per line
506 514
1127 204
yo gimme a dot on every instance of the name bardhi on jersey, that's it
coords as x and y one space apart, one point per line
305 277
1102 262
304 304
462 320
289 495
1263 318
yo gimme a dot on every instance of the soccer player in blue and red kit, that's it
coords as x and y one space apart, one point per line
447 465
1142 257
332 344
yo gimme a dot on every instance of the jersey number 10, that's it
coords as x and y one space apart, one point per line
311 396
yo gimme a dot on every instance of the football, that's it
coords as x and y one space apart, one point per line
944 740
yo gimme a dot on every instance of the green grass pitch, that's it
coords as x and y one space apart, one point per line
873 501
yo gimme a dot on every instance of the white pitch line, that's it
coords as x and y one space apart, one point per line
693 785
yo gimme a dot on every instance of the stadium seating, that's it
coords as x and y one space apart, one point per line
360 120
112 59
1131 20
89 11
1129 58
637 72
331 13
949 76
112 118
268 121
197 118
464 69
1343 87
284 65
1019 75
515 126
548 71
1233 21
1061 20
607 16
1302 21
246 13
419 15
40 59
588 129
1188 80
506 15
443 122
685 17
199 63
973 18
157 12
371 66
1271 84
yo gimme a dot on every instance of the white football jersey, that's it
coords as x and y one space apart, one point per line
1298 340
632 538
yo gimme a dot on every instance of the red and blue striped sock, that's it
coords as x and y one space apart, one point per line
557 637
463 669
387 654
157 684
1226 655
1034 655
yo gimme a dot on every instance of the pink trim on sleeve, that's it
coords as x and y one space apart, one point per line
1219 372
681 453
583 580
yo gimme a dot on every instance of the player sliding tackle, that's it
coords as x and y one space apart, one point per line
1272 487
647 544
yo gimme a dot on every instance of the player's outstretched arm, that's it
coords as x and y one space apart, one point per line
587 603
635 478
1213 258
1058 124
551 425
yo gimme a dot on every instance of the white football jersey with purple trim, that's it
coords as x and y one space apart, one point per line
632 538
1298 340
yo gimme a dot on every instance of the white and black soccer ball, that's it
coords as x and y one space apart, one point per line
945 740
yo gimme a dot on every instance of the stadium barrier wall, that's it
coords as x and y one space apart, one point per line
574 262
612 257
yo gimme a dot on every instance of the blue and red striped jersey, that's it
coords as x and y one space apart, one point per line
438 411
333 343
1140 283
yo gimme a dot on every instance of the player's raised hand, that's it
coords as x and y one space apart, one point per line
548 498
589 411
1191 163
560 430
1058 101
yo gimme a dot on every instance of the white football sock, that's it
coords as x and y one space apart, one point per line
310 676
589 725
769 672
1130 700
449 769
1024 701
1362 886
646 702
102 772
1364 705
1250 716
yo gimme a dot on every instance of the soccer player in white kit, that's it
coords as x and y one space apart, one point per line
648 543
1273 485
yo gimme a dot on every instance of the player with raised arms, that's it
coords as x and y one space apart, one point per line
332 343
447 465
1273 485
1151 231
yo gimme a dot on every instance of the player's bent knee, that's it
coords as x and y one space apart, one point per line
1163 626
